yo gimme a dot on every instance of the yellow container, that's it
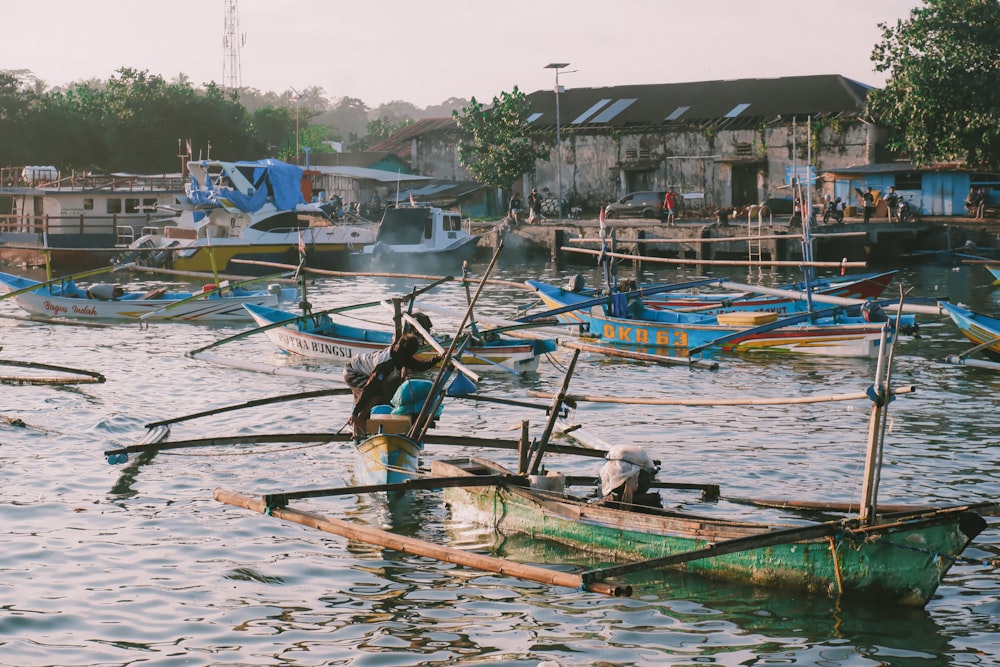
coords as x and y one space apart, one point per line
747 318
389 424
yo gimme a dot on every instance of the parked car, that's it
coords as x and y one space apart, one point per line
637 205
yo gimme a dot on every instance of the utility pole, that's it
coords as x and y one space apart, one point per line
231 42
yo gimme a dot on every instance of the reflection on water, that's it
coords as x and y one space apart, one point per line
119 565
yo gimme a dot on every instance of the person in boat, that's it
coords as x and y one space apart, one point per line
375 377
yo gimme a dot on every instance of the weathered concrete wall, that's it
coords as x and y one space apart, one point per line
598 168
436 156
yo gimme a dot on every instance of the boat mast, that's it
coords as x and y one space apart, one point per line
879 393
805 212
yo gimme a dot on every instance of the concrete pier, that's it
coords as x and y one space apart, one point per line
878 242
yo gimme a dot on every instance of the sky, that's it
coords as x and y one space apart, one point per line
427 51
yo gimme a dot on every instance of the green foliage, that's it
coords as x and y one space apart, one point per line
384 127
497 145
942 97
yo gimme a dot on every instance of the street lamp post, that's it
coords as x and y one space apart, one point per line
557 67
298 98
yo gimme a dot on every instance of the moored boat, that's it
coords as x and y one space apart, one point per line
77 221
620 320
982 330
249 210
64 298
709 303
418 238
900 559
320 337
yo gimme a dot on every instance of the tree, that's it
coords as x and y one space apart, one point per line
383 127
942 98
497 145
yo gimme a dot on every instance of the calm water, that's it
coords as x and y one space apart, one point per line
137 564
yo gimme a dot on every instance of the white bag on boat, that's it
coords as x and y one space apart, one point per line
625 463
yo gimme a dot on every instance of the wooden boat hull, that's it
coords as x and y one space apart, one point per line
977 327
66 300
231 256
900 560
334 342
841 336
386 459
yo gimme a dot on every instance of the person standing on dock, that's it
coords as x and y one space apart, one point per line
868 203
535 206
670 206
891 202
375 377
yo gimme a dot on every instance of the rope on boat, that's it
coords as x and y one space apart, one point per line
836 564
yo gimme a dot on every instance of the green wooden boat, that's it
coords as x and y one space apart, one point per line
899 558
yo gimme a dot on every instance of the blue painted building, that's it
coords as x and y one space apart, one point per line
933 190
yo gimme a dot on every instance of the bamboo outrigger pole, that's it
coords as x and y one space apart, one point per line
382 538
717 262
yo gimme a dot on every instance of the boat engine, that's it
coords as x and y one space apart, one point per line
626 476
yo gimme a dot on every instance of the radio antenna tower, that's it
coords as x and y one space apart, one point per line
232 40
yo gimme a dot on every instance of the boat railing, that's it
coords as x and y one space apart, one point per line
71 224
15 177
125 235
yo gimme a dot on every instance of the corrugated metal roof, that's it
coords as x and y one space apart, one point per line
734 103
379 175
399 142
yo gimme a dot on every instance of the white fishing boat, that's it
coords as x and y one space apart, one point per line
251 210
65 299
79 219
418 238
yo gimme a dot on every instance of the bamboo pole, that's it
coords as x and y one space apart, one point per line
269 369
717 262
87 377
374 274
299 438
824 298
557 402
640 356
796 400
207 277
297 396
717 239
41 285
382 538
420 425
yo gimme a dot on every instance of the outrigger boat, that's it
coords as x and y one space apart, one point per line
64 298
320 337
982 330
623 319
709 303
